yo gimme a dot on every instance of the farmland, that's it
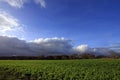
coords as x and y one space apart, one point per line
85 69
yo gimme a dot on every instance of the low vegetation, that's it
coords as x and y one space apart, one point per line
85 69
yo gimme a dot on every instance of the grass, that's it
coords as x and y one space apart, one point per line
89 69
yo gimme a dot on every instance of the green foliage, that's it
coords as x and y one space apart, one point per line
91 69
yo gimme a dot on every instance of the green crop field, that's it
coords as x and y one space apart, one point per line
96 69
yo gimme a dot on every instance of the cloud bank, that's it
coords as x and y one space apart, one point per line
51 46
48 46
115 46
10 46
20 3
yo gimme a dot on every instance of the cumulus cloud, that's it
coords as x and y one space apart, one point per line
41 2
96 51
20 3
83 48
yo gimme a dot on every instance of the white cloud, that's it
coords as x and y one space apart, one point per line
9 25
7 22
41 2
20 3
15 3
96 51
82 48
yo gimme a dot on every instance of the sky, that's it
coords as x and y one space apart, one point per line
92 22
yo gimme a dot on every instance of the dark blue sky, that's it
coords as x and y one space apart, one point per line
92 22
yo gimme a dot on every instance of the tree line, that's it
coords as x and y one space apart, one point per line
61 57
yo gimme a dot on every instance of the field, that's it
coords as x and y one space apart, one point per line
96 69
